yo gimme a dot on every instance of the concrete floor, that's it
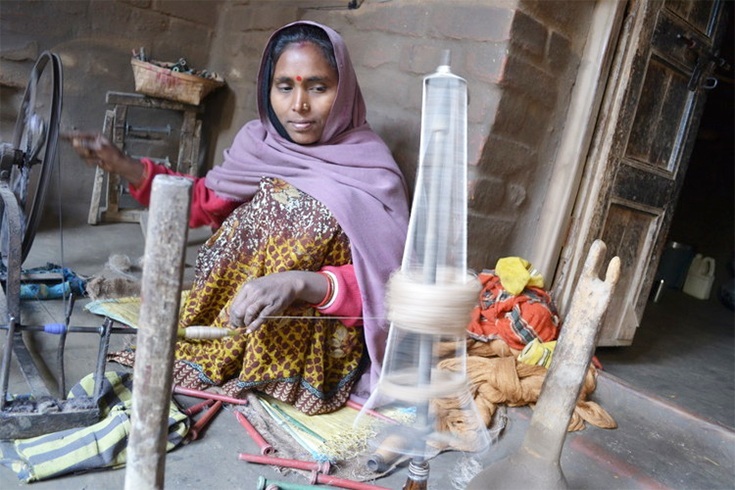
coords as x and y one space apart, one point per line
684 352
679 356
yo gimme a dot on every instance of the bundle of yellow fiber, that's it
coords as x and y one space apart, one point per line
453 417
497 377
493 348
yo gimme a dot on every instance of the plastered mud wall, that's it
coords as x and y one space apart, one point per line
520 59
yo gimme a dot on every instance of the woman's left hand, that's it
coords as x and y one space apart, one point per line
270 295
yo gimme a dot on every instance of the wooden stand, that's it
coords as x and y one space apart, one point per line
156 334
108 187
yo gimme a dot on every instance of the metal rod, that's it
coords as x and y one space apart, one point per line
99 375
372 413
320 479
180 390
200 424
7 354
265 447
160 297
58 328
12 281
195 409
62 345
323 467
147 132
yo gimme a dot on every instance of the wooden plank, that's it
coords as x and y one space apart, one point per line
99 176
138 100
122 216
196 141
113 180
185 162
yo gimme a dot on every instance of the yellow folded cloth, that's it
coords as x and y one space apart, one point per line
516 273
537 353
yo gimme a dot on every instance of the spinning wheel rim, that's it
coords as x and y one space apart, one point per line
43 156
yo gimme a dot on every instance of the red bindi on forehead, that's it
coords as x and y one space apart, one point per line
298 78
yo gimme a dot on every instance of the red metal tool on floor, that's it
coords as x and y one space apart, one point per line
265 447
322 467
195 409
199 425
180 390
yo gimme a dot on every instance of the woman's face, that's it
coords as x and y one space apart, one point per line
302 92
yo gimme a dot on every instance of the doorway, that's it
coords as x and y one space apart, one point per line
684 350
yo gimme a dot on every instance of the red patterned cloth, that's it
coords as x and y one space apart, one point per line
516 319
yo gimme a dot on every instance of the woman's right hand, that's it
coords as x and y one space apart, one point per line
98 151
270 295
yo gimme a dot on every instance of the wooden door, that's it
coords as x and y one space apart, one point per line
642 143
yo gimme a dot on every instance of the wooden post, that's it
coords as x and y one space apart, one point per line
537 463
159 312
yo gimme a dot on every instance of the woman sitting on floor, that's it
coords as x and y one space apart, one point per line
310 212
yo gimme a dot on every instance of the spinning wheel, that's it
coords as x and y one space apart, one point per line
27 163
26 166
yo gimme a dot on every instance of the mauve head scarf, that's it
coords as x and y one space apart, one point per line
350 170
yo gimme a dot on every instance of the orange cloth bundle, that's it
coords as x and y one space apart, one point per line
516 319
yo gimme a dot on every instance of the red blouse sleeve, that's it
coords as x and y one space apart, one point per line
346 300
207 208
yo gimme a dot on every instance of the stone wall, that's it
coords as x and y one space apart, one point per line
519 58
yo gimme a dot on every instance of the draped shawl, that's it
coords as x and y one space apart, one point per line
350 170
